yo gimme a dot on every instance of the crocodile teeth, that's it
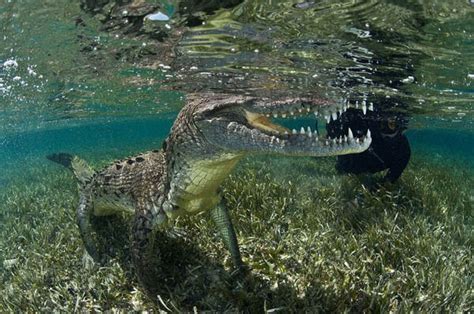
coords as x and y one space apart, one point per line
262 121
350 135
371 106
364 108
368 133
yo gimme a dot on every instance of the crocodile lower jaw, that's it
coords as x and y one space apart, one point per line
263 123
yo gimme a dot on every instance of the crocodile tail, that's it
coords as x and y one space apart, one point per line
84 174
82 170
63 159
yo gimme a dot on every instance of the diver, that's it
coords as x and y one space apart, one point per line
389 149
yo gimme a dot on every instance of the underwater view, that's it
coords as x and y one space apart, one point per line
236 156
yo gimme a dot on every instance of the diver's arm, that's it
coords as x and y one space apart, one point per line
401 153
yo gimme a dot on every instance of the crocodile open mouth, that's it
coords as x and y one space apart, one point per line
264 123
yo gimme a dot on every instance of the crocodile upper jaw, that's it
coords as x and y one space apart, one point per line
248 127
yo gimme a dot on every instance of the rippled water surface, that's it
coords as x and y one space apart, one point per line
67 85
410 57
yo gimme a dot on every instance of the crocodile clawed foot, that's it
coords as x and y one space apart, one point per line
99 259
90 261
241 286
241 277
241 272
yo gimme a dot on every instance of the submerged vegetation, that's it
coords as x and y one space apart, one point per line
313 240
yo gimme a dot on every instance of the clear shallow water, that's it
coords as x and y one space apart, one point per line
59 93
412 58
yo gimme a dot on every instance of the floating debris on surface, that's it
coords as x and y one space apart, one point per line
158 16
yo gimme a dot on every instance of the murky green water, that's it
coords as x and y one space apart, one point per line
67 86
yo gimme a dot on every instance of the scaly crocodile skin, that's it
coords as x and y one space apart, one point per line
210 135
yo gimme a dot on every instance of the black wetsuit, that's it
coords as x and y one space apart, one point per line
389 148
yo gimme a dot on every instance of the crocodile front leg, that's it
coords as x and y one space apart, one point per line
221 218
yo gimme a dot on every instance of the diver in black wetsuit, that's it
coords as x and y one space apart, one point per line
389 148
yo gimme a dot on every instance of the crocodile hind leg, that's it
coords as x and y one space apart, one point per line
221 218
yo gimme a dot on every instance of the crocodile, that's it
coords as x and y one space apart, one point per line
210 135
